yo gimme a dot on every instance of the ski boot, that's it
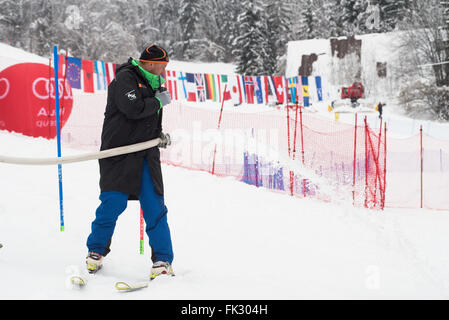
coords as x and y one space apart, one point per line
161 267
94 262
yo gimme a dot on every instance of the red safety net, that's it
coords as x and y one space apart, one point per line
293 151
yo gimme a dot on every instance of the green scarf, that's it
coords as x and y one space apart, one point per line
153 80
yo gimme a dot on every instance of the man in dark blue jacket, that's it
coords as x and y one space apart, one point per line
134 114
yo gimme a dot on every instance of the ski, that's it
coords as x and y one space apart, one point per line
78 281
123 286
126 287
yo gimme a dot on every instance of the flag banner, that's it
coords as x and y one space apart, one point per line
207 87
249 89
265 89
258 90
219 88
305 91
172 84
292 89
92 76
74 72
182 82
110 73
319 89
97 83
214 87
299 91
225 84
61 64
103 74
286 91
279 87
313 92
241 82
210 87
200 87
99 76
272 87
88 76
235 89
191 87
259 87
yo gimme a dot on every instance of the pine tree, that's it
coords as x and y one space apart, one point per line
218 29
165 15
352 17
15 22
311 24
189 13
445 6
392 12
250 52
45 26
308 21
278 22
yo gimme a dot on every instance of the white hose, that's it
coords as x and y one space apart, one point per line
83 157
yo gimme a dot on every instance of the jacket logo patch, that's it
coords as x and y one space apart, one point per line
131 95
141 86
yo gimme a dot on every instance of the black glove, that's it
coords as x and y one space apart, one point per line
165 140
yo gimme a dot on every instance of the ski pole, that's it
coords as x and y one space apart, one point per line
142 222
58 136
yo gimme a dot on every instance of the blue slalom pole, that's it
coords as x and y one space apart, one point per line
58 134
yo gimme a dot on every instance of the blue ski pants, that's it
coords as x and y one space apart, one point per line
113 203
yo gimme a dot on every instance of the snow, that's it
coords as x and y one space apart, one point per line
231 240
10 55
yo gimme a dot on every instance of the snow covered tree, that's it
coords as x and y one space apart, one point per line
425 52
189 14
445 5
391 12
165 17
250 45
351 17
218 29
278 28
15 21
308 20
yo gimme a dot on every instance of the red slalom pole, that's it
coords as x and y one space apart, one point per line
366 164
294 136
288 130
377 169
302 149
385 166
302 135
292 175
355 159
218 128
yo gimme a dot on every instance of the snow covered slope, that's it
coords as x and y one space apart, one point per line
231 240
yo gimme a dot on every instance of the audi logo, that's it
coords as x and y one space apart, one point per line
49 89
